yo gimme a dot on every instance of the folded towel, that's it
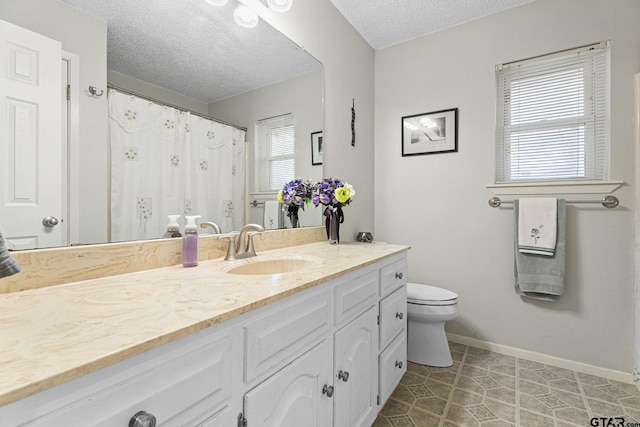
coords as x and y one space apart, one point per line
272 214
8 266
542 277
537 226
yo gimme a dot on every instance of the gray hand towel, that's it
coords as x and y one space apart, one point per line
8 265
537 276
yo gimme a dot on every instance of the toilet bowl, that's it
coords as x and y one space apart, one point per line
428 307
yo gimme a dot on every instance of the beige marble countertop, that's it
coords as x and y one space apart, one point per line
54 334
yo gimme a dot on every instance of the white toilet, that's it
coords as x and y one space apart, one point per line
428 307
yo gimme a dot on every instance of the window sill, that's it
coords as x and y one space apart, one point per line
560 187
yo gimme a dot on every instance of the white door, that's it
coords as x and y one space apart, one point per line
355 372
31 143
294 396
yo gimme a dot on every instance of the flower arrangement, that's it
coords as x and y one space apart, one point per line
294 195
334 194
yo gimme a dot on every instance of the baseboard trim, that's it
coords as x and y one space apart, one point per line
544 358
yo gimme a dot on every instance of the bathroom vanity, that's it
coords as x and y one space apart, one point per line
321 343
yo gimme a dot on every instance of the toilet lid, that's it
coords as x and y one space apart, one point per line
420 293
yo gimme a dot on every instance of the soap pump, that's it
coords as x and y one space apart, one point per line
190 242
173 228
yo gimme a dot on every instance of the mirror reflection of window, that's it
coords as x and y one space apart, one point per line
275 152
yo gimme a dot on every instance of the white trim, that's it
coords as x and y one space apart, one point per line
559 187
73 150
636 255
559 362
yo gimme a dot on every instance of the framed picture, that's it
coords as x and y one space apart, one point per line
316 148
430 133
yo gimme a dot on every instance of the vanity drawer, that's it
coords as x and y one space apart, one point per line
355 296
277 337
165 386
393 276
392 364
393 315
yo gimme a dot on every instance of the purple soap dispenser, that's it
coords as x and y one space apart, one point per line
190 242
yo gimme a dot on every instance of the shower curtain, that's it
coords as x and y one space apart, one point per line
165 161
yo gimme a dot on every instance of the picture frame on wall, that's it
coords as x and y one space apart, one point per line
430 133
317 148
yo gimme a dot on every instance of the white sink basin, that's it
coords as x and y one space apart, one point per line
289 264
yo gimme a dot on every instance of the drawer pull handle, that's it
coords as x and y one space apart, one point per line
343 375
398 364
142 419
399 316
399 276
328 390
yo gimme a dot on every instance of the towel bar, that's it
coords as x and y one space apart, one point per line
607 201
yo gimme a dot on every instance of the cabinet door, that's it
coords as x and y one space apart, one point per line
293 396
355 371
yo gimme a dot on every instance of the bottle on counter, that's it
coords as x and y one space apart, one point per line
190 242
173 228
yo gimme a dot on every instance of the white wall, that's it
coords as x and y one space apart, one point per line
438 203
348 61
89 177
301 96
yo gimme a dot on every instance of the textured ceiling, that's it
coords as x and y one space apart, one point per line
193 48
383 23
196 49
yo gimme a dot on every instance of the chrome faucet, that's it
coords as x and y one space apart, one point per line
216 227
244 246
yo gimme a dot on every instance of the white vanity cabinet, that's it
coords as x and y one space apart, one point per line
392 361
326 356
187 382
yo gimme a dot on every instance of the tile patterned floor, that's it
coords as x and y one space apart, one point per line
488 389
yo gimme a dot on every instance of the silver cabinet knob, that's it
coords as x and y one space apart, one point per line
328 390
49 221
343 375
399 276
399 315
142 419
398 364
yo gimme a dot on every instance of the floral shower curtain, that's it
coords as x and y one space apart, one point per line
165 161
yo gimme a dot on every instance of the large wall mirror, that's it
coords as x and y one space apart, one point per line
189 56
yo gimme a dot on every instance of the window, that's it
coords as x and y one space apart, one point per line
552 117
275 152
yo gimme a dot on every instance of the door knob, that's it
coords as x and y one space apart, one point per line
399 276
142 419
398 364
49 221
399 315
328 390
343 375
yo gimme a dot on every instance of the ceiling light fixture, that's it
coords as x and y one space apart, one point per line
245 17
280 5
217 2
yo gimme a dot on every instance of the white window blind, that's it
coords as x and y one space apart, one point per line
552 118
275 152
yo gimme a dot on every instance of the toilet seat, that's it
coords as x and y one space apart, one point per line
421 294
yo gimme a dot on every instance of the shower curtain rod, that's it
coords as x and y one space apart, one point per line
606 201
157 101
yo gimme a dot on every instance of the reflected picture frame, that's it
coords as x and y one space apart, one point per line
317 148
430 133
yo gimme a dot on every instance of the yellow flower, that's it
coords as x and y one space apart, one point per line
280 196
342 194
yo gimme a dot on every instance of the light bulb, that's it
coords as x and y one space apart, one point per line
217 2
279 5
245 17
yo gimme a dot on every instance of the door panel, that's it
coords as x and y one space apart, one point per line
293 397
31 144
